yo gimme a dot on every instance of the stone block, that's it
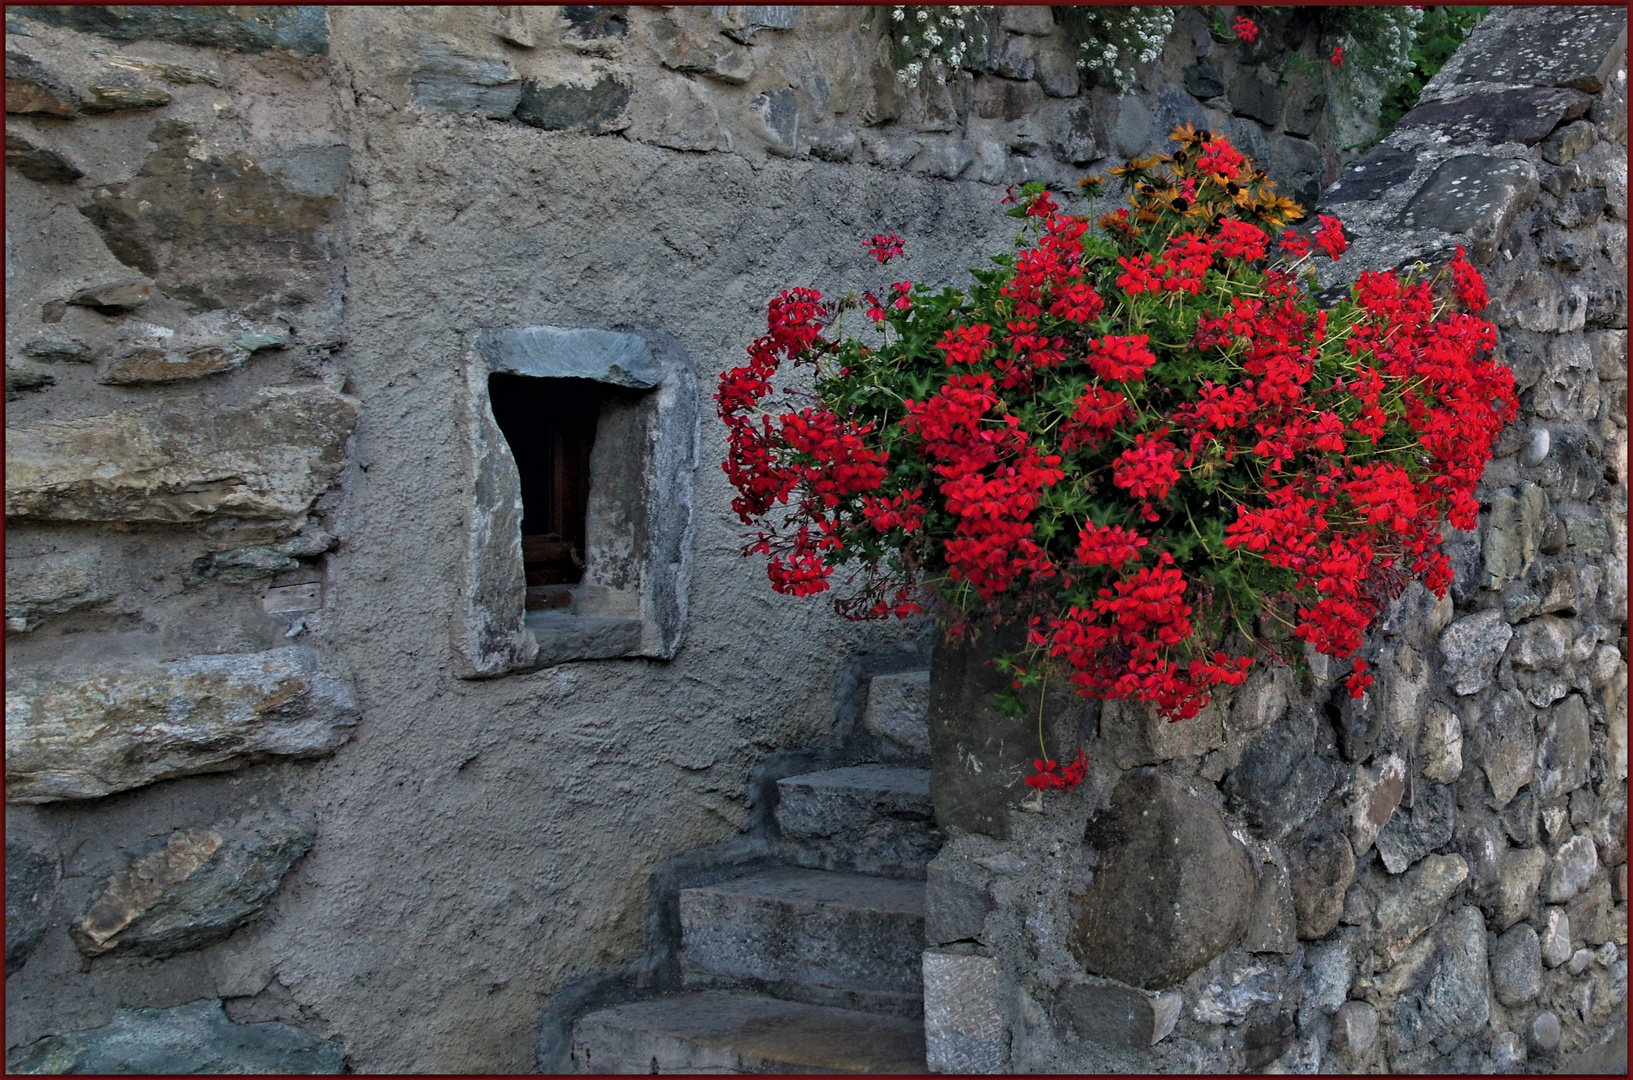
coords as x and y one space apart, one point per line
1172 887
1564 145
678 113
1475 196
1373 173
599 108
53 351
55 583
1522 116
1374 795
1542 1034
1056 72
1135 734
1555 940
1273 924
154 365
841 939
1440 744
1514 896
302 30
1409 904
1253 93
199 887
1238 992
1472 646
1571 47
714 57
713 1032
1454 998
1280 780
86 734
898 707
32 90
1321 867
39 164
1516 966
32 874
1354 1028
163 464
1024 19
1570 870
1564 751
957 902
1329 970
192 1038
1203 81
122 294
964 1029
869 819
1116 1016
1513 533
1594 920
1409 836
447 80
1506 745
21 380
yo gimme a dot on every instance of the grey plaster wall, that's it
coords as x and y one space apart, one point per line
210 209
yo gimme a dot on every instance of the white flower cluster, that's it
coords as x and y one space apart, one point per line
1114 40
933 39
1377 44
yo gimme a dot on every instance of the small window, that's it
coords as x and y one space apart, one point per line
580 447
549 425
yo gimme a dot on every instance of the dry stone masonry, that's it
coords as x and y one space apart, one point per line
297 783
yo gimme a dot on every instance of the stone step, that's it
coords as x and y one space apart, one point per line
714 1032
809 935
898 709
867 819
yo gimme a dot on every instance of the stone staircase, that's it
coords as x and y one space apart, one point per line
810 966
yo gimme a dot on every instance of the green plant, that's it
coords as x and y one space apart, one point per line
1440 33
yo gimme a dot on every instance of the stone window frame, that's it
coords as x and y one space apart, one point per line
632 601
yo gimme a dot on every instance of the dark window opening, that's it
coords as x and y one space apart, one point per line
549 425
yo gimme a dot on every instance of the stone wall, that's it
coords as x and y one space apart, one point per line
255 810
1432 877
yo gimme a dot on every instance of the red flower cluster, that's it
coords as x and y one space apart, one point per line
1246 29
1337 57
1049 774
1153 446
885 247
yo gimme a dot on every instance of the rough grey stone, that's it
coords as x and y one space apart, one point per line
1321 867
964 1029
1015 57
39 164
447 80
679 50
956 905
31 890
713 1032
1440 744
1253 93
123 294
302 30
1330 967
1374 796
549 352
1474 196
152 365
1516 966
1506 745
1072 138
1472 646
1203 81
1135 734
1172 888
1519 820
779 927
193 1038
1409 904
1280 780
598 109
1273 924
1507 1052
1135 130
1231 999
1454 998
1593 919
1555 942
166 464
1564 145
1026 19
1297 166
1116 1016
97 731
1522 116
20 380
31 89
897 708
51 351
1513 533
869 819
199 887
1514 896
1409 837
1375 172
55 583
1057 69
1263 1043
1563 754
115 98
1576 47
1581 960
1542 1033
1572 866
1354 1028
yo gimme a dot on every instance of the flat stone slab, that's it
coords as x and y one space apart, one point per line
871 819
1473 195
192 1038
1522 116
86 734
742 1033
1378 170
169 465
1563 46
843 938
550 352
